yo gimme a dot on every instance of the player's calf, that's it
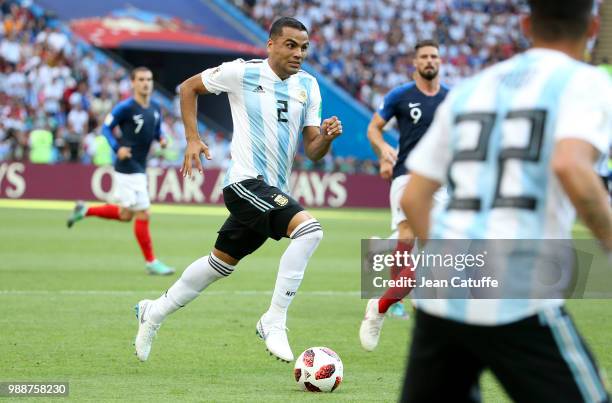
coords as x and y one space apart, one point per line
271 327
304 240
196 277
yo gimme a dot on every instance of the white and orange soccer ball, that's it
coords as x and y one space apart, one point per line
318 369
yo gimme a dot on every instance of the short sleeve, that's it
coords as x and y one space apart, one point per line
585 110
386 109
313 113
115 116
223 78
432 155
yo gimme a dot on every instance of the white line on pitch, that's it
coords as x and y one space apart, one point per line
145 292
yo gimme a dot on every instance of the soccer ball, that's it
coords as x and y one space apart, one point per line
318 369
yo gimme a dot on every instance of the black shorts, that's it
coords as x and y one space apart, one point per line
258 211
538 359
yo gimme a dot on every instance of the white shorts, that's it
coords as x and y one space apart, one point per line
395 196
130 191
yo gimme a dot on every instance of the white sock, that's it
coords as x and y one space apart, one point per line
304 240
196 277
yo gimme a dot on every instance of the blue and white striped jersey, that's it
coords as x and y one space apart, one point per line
268 116
492 141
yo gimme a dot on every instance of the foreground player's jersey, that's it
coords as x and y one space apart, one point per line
139 127
492 141
268 115
414 112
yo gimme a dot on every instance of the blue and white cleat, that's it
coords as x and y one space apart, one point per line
398 311
275 337
371 326
159 268
146 330
77 214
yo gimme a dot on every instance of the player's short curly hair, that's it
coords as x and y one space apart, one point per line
554 20
277 27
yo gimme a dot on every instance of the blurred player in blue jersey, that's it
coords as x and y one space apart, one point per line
413 105
140 121
517 145
274 104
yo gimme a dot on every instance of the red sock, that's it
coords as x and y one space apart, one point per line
141 231
401 247
108 211
396 294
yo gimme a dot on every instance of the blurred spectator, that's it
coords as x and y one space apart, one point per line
52 94
50 85
368 167
78 119
80 96
10 49
5 144
172 154
57 41
72 145
14 83
41 146
102 151
103 104
367 46
88 148
220 149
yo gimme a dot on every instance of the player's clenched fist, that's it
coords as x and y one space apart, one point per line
192 153
386 169
331 128
124 153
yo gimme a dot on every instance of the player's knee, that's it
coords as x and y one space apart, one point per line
225 257
142 215
404 231
310 229
126 215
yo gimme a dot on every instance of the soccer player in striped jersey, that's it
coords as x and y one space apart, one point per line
517 145
272 101
139 119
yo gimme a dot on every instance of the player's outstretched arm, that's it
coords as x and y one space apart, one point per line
317 140
572 162
188 93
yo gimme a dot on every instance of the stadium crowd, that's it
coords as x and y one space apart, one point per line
367 46
55 93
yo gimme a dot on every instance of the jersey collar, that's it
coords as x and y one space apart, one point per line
535 52
271 72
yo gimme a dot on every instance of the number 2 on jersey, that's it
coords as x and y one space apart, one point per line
281 109
530 153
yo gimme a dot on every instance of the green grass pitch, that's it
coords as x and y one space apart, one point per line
66 299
